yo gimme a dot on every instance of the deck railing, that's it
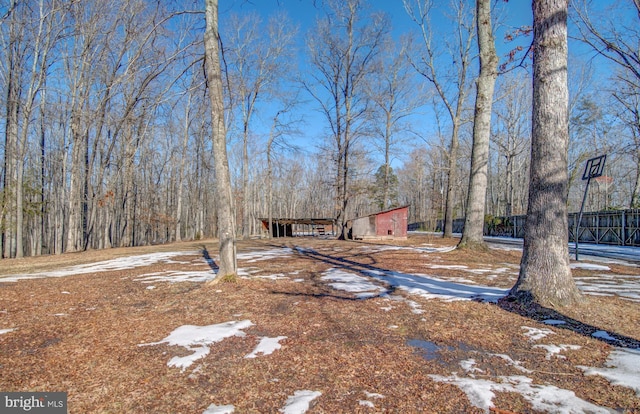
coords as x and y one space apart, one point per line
612 227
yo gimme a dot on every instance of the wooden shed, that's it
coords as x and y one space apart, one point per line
390 223
290 227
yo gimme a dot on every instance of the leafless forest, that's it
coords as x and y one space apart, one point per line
107 125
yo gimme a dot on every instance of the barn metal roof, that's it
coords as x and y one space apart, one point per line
321 221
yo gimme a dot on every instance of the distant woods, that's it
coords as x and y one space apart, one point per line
107 125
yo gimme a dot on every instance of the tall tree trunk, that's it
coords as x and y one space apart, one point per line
60 204
245 179
185 142
474 220
8 208
43 159
452 177
128 196
635 196
509 187
386 203
545 277
270 175
634 202
226 223
76 186
8 222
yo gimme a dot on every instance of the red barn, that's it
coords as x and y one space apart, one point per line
390 223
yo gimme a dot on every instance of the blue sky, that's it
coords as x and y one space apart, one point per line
515 13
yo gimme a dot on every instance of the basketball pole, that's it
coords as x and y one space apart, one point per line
593 168
584 199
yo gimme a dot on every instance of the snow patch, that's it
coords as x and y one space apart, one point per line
544 398
219 409
535 334
469 365
431 287
198 338
622 368
349 282
177 276
120 263
373 395
299 402
510 361
366 403
256 256
556 349
589 266
266 346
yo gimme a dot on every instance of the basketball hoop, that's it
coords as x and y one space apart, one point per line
592 169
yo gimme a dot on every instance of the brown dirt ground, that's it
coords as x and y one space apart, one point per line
80 334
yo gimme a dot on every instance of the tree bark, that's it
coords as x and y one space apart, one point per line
545 276
8 218
224 204
180 184
474 219
635 195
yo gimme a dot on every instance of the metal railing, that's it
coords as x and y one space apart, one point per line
612 227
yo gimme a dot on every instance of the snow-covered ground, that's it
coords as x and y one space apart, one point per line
120 263
622 367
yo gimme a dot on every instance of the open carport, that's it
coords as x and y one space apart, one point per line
290 227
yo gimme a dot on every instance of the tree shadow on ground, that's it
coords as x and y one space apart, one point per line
532 310
438 287
344 264
212 263
428 286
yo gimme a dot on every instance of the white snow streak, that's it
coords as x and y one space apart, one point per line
622 368
299 402
266 346
545 398
349 282
219 409
198 338
120 263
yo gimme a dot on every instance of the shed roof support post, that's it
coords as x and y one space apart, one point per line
623 227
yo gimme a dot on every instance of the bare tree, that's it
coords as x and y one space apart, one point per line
32 34
13 67
630 116
225 210
443 77
473 233
258 56
545 275
192 111
393 93
342 53
85 176
613 34
511 137
282 127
